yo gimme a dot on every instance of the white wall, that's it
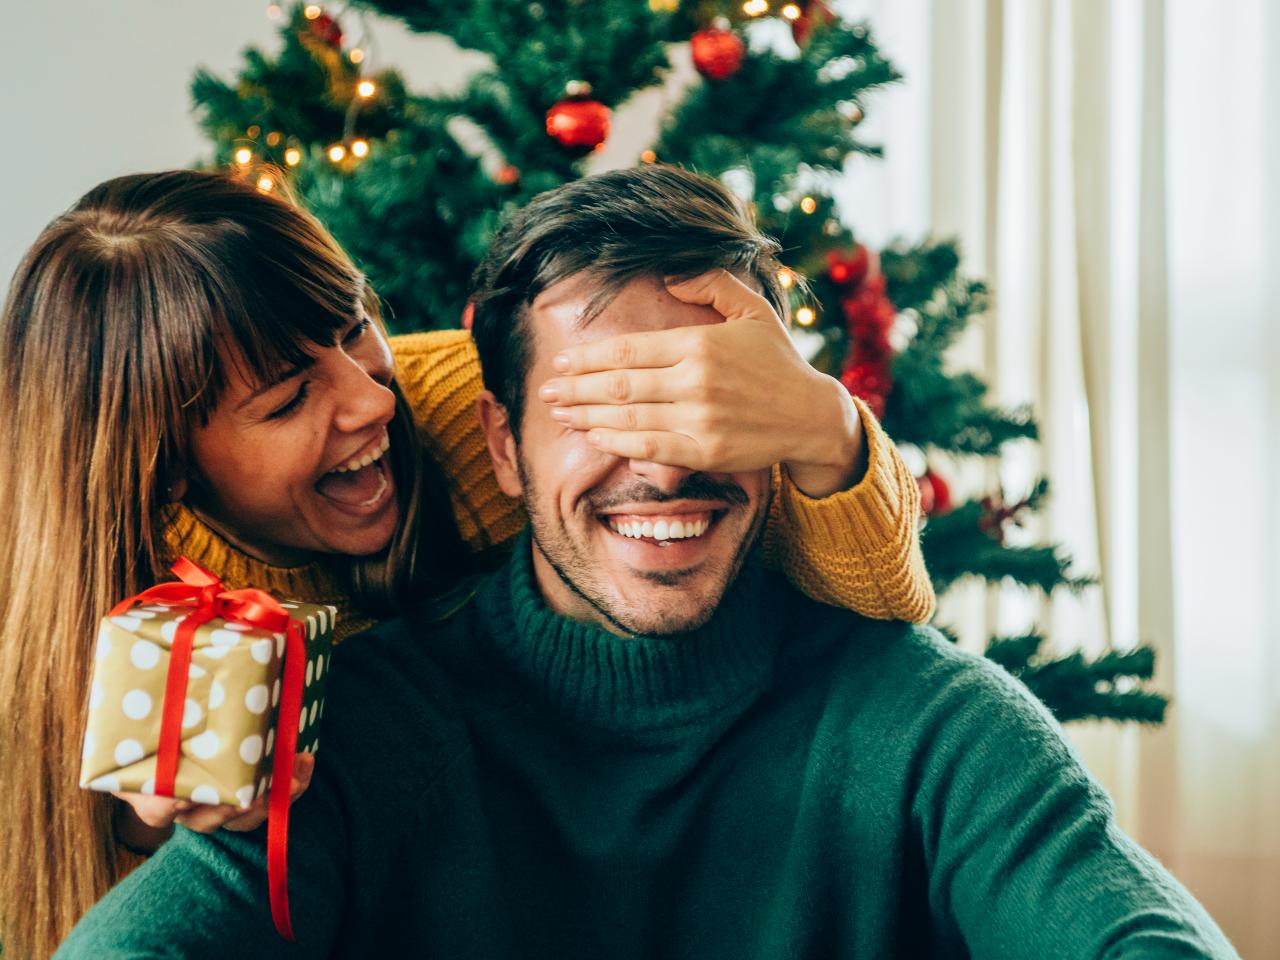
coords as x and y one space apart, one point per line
91 90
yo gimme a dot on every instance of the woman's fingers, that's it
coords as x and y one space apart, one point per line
250 818
156 812
615 386
629 416
651 348
207 817
729 296
673 449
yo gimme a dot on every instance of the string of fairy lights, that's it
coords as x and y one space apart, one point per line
352 148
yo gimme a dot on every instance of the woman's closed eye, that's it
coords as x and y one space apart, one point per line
293 404
358 331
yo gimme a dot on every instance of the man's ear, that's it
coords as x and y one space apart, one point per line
501 442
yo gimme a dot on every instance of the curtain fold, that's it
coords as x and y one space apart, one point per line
1125 213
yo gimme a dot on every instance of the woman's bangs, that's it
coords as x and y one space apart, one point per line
291 310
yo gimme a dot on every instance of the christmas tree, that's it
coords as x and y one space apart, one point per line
414 186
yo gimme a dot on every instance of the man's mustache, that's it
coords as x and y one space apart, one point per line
696 486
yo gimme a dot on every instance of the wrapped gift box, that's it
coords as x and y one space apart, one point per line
229 711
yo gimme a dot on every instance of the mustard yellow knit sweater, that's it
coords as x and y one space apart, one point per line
858 549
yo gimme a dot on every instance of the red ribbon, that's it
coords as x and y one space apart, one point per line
202 590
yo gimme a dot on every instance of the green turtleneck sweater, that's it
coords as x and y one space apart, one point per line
790 781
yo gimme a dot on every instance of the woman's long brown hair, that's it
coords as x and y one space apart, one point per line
109 354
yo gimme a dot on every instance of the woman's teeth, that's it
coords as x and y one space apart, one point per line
660 529
367 459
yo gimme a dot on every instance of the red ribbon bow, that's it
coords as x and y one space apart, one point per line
204 592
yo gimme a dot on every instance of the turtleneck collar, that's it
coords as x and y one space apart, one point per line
636 683
187 535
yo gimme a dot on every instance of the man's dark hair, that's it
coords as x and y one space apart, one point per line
658 221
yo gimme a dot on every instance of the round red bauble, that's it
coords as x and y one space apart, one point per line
869 381
717 53
939 494
814 10
926 495
849 267
578 123
326 29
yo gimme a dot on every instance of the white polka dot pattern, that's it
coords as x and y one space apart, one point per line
255 698
204 745
251 749
136 704
228 717
144 654
204 793
128 751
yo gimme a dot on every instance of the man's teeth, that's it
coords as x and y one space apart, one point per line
661 529
367 459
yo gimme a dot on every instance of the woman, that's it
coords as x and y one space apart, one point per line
188 365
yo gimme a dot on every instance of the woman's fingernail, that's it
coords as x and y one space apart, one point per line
561 362
560 414
549 394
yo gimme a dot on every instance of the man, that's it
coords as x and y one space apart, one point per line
631 741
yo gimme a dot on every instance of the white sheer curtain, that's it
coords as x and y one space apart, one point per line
1105 165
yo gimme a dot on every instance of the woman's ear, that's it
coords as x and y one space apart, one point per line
501 442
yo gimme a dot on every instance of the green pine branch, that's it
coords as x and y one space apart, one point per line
955 545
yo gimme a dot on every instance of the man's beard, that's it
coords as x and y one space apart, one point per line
576 568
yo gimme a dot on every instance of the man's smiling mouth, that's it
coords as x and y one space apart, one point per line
662 527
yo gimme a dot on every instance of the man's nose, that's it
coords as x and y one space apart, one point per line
363 400
666 478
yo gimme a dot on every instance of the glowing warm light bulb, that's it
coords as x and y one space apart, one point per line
648 157
791 11
366 88
265 184
337 152
293 156
356 55
753 8
805 316
786 278
360 148
274 11
312 11
808 204
243 156
273 139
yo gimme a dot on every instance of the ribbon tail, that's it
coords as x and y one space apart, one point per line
294 670
169 745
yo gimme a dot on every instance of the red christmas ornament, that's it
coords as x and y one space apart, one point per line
870 381
325 29
814 10
996 515
851 268
926 495
717 53
578 123
507 175
938 498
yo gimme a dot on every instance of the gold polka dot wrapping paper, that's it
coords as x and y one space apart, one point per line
229 712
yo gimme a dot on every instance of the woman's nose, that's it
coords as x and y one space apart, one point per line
364 398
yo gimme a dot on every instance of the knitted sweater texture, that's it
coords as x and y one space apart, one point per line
790 781
858 549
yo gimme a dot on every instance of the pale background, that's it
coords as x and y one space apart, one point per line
1111 168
